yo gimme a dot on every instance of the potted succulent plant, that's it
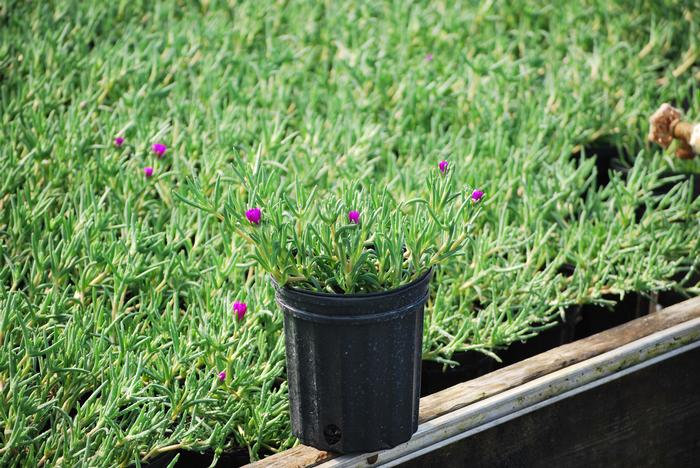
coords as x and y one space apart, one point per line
351 271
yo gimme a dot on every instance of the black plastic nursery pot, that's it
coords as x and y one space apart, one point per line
354 365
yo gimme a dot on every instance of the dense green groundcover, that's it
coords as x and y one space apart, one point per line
115 297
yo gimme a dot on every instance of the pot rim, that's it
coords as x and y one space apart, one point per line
325 295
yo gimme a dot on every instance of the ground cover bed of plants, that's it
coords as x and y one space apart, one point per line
118 335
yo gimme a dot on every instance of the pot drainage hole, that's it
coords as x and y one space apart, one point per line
332 434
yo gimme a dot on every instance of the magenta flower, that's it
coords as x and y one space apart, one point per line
118 141
148 171
159 149
428 57
222 376
240 308
354 217
476 195
443 166
254 215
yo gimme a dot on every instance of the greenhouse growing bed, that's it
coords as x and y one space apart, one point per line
120 344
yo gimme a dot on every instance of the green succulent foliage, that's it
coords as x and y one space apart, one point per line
306 239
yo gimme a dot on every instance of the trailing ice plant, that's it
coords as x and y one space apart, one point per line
361 239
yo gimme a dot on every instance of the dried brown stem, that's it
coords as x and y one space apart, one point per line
665 125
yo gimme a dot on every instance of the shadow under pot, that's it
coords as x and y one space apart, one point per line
354 365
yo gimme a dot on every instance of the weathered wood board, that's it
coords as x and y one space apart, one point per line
647 418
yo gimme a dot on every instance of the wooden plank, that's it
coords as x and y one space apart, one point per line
472 418
649 417
467 393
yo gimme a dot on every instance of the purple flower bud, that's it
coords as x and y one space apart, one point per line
443 166
240 308
222 376
354 217
148 171
428 57
118 141
159 149
476 195
254 215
